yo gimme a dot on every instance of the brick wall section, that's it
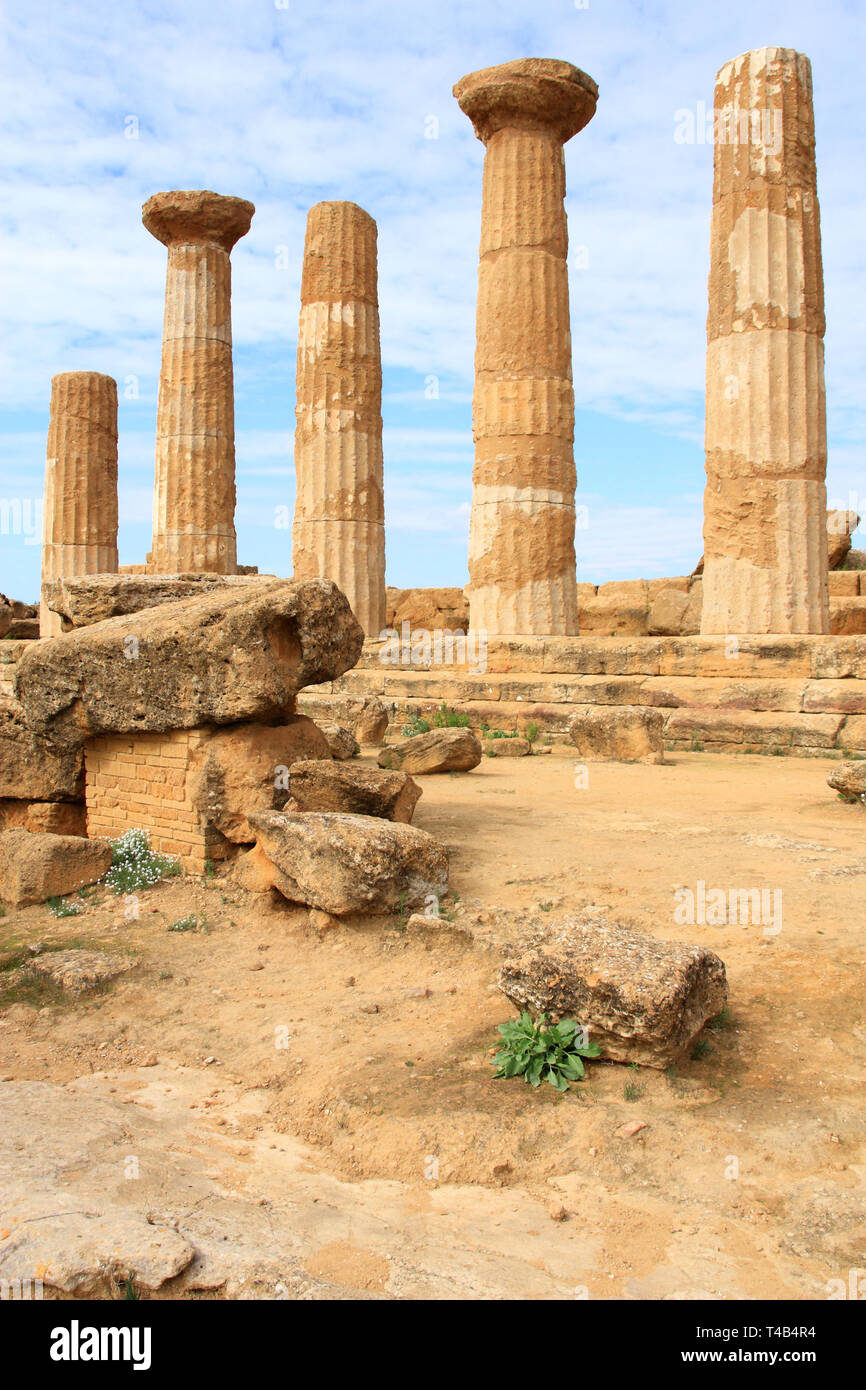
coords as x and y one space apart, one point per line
141 781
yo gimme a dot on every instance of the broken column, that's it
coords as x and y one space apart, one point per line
521 546
79 519
194 494
339 523
765 568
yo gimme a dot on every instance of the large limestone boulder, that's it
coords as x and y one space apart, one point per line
246 767
239 653
34 866
840 527
363 791
31 768
849 780
440 750
92 598
640 999
618 733
346 863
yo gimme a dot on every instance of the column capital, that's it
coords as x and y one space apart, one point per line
197 215
528 94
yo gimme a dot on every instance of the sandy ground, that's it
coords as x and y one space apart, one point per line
341 1081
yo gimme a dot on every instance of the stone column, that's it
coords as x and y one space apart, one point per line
522 577
765 538
79 510
194 494
339 523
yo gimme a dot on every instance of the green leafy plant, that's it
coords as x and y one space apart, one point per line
134 865
415 725
501 733
531 731
447 718
189 923
701 1049
632 1091
62 907
543 1052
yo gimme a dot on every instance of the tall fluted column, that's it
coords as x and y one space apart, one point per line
194 493
765 537
522 578
79 510
339 524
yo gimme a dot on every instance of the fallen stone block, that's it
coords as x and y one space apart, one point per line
87 599
348 863
320 786
245 768
440 750
341 742
506 747
625 733
77 972
640 999
34 867
239 653
849 780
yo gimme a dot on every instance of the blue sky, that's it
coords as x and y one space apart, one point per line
292 102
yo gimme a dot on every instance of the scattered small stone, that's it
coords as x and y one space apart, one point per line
628 1131
257 965
369 1008
418 992
557 1212
209 1061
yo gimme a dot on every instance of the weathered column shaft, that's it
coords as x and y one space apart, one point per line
339 523
521 546
765 539
194 493
79 517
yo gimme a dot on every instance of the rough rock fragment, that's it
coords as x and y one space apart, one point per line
642 1000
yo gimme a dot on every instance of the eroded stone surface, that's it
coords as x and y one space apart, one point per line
339 523
320 786
246 767
349 863
765 535
849 780
440 750
79 522
521 545
92 598
240 653
194 501
35 866
618 733
640 999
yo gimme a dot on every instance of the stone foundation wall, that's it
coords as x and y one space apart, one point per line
142 781
804 696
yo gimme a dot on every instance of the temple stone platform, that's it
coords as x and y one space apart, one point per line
802 696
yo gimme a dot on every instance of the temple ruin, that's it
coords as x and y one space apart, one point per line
759 649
